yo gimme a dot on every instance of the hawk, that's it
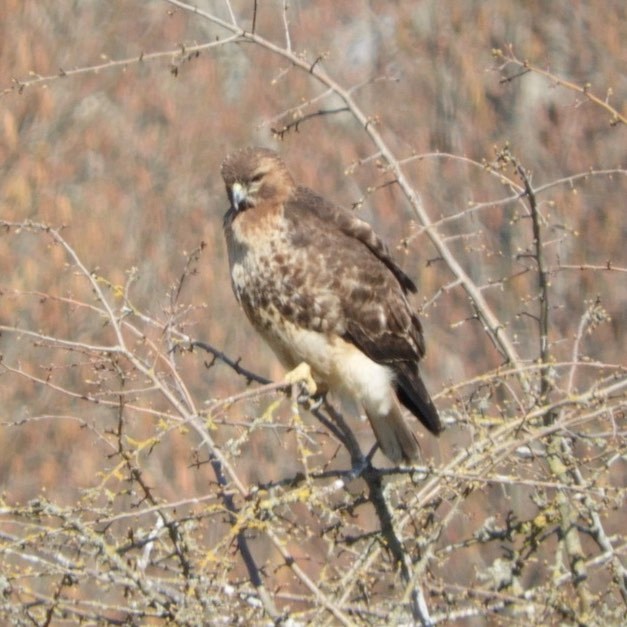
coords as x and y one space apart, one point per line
321 288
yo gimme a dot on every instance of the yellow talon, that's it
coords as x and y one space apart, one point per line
302 374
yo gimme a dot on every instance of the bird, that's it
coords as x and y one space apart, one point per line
323 291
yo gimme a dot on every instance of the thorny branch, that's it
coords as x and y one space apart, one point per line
508 57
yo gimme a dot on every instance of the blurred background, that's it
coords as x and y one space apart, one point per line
126 159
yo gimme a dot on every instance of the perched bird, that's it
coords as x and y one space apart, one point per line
322 290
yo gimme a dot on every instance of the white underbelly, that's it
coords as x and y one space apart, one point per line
338 364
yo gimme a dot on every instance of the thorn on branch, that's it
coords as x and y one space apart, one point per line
433 260
513 77
319 58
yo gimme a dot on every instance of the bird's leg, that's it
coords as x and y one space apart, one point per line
311 395
302 375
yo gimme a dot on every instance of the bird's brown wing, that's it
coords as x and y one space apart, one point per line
352 227
371 288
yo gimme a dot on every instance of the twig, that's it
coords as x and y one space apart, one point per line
248 374
286 26
543 284
187 53
616 117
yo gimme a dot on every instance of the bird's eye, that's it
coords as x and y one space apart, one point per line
257 177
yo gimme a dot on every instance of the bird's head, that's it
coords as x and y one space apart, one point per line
252 175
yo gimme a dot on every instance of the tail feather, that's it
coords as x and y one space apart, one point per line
411 391
395 438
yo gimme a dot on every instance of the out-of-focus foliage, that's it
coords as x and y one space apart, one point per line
142 481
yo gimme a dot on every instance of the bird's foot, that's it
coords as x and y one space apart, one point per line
314 403
302 375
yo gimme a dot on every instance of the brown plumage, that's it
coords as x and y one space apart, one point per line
321 288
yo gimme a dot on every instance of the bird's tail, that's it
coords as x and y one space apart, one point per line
411 391
395 438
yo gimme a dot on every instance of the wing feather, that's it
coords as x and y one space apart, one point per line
351 226
376 316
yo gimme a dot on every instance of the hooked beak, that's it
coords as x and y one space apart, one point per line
239 195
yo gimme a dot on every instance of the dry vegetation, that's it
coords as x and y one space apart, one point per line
144 482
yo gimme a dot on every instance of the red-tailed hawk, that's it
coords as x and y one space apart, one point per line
321 288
